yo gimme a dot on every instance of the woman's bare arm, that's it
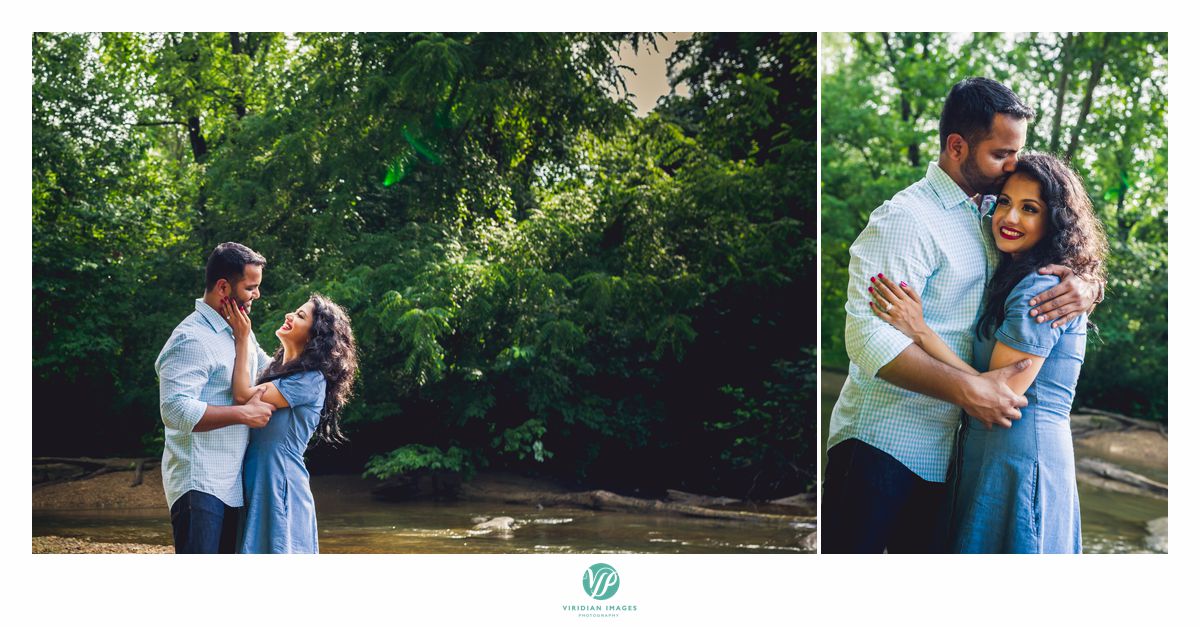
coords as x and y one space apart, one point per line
242 369
1003 355
900 306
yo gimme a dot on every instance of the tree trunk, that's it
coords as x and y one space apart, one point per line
196 138
1060 96
1097 72
906 112
239 99
1133 134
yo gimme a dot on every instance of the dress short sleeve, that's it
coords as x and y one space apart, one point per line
302 388
1021 330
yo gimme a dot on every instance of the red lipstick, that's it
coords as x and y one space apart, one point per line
1009 233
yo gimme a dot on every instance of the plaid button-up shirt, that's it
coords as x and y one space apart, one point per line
934 238
195 370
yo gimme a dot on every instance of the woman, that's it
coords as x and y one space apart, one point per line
308 381
1014 489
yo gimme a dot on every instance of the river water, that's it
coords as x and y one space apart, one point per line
349 520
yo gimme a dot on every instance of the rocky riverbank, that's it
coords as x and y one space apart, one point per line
55 544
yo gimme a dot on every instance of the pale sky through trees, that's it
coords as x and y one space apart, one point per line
648 81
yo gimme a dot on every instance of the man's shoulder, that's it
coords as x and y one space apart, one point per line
192 324
188 342
193 328
909 209
914 199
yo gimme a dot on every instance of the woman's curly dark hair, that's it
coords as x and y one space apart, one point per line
330 350
1073 238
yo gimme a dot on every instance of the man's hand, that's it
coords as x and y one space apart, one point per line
1065 301
256 411
989 398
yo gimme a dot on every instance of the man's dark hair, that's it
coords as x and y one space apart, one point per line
228 261
972 105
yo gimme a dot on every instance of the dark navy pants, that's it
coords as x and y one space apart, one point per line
872 503
203 523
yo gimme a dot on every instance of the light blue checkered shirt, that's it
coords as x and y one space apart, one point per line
195 370
934 238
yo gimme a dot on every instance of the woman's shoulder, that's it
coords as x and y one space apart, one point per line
1036 283
313 375
1029 286
303 388
306 377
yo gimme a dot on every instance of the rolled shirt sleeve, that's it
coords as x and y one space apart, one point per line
183 371
897 245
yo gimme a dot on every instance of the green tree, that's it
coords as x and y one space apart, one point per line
537 279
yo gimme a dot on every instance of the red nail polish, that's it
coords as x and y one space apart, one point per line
870 289
903 284
872 279
880 275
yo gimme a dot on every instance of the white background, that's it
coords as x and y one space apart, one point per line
530 590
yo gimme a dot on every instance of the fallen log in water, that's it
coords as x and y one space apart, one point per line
88 467
1112 472
799 500
1125 420
605 500
699 500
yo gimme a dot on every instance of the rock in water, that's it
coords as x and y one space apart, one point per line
1158 535
809 543
499 524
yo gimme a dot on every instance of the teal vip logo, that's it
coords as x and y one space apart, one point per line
601 581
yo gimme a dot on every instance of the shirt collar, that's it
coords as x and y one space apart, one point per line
947 191
214 319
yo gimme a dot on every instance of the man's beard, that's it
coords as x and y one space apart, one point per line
244 305
977 180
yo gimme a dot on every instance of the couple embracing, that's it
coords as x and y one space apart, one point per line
966 326
237 421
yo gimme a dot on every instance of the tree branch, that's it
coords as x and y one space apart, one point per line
1084 109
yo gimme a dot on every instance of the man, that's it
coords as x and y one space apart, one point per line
888 448
205 432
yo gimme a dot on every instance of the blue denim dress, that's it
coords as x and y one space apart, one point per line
1014 489
280 516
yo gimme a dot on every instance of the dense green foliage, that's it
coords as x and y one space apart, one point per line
1101 100
537 279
